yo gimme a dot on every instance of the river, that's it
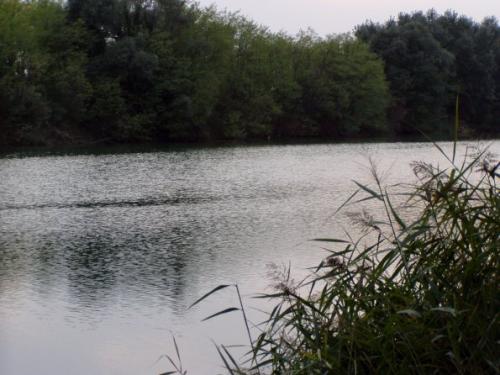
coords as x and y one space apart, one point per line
103 251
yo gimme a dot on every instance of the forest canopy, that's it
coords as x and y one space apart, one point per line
85 71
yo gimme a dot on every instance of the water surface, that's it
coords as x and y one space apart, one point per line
102 253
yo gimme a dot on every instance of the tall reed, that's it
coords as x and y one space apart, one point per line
421 298
410 296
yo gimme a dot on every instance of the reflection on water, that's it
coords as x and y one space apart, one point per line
100 254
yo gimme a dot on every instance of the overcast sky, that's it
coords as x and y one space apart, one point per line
338 16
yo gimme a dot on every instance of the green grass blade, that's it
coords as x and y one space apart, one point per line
400 221
369 191
216 289
225 311
226 363
457 125
233 361
329 240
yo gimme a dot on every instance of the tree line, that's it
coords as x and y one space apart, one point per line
431 58
85 71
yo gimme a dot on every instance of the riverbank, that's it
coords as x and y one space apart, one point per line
113 147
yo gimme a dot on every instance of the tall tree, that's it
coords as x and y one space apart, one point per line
429 60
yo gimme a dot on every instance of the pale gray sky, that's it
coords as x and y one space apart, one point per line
338 16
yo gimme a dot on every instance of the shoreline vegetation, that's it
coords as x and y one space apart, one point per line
411 294
98 72
125 148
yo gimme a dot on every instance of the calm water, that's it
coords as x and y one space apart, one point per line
101 254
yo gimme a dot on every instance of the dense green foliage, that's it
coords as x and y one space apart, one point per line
429 59
165 70
85 71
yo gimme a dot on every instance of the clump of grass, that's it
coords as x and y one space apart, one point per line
177 365
420 298
415 296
